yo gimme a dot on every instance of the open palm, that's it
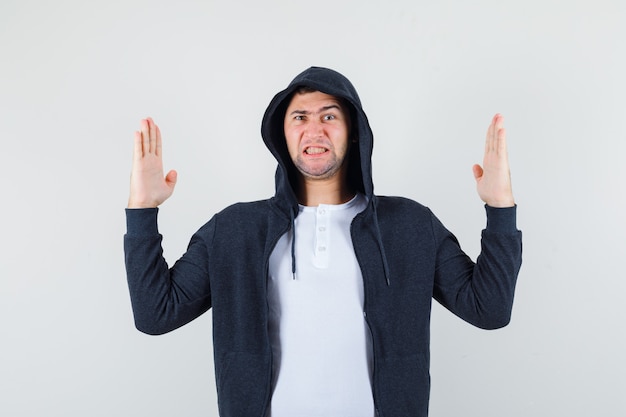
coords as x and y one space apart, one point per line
148 187
493 179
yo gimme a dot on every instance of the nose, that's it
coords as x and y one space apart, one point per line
314 129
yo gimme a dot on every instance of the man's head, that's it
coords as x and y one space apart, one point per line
317 132
350 162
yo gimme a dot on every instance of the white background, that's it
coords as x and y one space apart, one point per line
77 76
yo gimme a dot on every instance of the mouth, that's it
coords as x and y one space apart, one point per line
315 150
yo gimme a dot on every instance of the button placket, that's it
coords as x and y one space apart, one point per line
321 236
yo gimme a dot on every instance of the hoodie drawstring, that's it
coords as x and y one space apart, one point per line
293 244
379 239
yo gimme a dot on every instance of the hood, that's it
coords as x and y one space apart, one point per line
360 158
329 82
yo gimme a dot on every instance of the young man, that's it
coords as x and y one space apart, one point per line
321 295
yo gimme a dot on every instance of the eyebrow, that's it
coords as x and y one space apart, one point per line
321 110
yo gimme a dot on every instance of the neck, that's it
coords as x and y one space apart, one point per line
316 192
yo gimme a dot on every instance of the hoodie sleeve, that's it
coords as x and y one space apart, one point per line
482 292
164 298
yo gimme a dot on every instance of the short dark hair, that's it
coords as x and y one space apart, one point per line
305 89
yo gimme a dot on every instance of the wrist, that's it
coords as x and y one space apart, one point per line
138 204
501 220
506 203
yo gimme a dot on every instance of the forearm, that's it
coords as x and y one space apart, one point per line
482 293
498 265
162 298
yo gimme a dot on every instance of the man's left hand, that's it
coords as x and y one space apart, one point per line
493 179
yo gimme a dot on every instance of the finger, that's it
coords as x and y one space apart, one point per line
153 135
171 178
159 144
145 136
137 147
477 171
499 123
498 120
499 135
490 134
496 124
501 140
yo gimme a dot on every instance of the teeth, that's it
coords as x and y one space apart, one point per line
313 150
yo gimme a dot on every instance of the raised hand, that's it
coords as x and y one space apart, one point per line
148 187
493 179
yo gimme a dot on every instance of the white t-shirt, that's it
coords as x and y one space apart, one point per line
322 354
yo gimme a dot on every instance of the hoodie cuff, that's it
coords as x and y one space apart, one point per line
142 221
501 220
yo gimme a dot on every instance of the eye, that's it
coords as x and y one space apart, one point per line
329 117
298 117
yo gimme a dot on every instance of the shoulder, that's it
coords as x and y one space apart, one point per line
245 208
244 213
239 216
237 221
407 223
402 215
393 205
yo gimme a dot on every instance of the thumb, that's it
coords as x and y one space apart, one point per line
478 171
170 178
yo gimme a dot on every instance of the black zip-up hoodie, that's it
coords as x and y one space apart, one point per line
406 256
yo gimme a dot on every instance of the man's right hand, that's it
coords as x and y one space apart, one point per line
148 187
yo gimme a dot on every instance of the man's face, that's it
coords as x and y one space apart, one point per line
317 129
